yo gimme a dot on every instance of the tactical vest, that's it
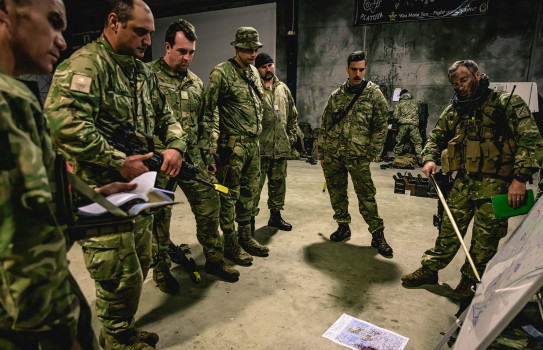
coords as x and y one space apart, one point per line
482 142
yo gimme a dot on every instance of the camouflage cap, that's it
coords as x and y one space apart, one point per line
246 38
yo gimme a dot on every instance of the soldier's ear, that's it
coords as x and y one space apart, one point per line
4 18
112 21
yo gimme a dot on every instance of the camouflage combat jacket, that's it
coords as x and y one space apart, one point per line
279 121
406 111
488 140
185 95
35 293
362 132
239 105
95 91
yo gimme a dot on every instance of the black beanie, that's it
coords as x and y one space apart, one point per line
403 92
262 59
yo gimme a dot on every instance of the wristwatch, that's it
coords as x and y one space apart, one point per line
520 177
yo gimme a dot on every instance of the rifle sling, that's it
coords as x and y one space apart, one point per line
364 84
246 78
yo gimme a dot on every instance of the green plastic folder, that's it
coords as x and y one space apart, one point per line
503 210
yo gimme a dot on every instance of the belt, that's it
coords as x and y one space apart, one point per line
242 138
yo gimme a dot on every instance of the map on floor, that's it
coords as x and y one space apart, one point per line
357 334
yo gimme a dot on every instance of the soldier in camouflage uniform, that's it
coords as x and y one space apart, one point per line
279 127
352 138
491 139
184 91
235 90
406 113
101 86
39 307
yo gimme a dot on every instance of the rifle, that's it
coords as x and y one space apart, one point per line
123 139
309 159
178 255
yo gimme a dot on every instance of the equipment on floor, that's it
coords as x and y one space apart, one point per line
178 254
423 187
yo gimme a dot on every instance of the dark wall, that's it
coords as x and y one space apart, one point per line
414 55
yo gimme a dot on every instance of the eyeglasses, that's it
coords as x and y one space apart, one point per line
248 50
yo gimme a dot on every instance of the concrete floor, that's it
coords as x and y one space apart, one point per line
289 299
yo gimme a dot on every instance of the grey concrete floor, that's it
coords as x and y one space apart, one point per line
289 299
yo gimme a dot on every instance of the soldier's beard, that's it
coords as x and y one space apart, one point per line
268 76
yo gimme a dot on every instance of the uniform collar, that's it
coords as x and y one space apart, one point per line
127 62
166 69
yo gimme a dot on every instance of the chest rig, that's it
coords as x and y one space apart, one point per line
482 142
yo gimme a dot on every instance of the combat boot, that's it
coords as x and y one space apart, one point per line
249 244
419 277
342 233
129 340
277 221
463 291
379 242
233 251
221 270
165 281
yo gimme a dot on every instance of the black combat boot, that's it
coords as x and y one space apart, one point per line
342 233
277 221
221 270
419 277
165 281
249 244
379 242
233 251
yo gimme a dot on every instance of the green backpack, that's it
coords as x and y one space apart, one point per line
405 161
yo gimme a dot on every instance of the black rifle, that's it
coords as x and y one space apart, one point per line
445 182
178 254
126 140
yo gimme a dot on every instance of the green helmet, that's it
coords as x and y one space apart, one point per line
246 38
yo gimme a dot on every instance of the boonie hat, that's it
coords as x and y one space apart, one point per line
246 38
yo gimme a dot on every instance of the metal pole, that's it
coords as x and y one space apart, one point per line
449 214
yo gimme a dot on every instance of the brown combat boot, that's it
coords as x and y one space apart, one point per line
419 278
233 251
463 291
165 281
130 340
249 244
221 270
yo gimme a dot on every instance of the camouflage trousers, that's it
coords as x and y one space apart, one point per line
241 176
205 205
53 339
465 204
406 133
336 172
276 172
118 264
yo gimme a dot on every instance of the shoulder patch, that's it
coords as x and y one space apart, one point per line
80 83
521 110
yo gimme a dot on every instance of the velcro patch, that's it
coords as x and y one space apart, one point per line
81 83
522 111
169 86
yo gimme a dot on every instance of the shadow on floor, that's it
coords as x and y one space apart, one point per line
189 294
358 268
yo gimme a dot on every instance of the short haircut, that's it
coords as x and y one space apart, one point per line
469 64
124 9
356 57
181 25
